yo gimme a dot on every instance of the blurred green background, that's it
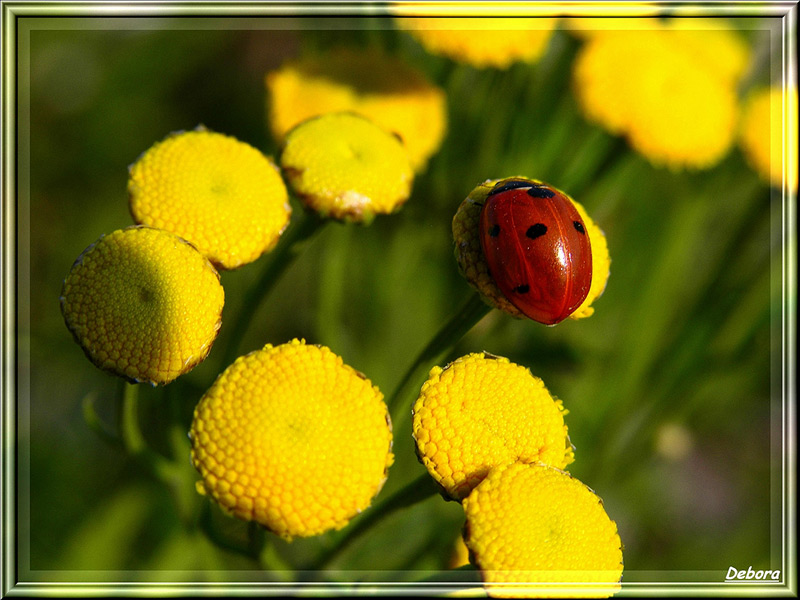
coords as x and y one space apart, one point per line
669 385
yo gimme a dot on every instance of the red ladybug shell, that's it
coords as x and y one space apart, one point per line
537 249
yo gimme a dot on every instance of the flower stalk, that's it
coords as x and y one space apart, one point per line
465 318
284 255
421 488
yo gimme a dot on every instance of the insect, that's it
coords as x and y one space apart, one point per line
537 249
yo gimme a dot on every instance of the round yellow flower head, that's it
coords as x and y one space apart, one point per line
380 87
344 166
764 122
222 195
534 530
143 304
292 438
483 42
481 411
676 110
472 262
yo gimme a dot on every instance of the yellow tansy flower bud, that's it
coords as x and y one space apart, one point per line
764 123
292 438
344 166
143 304
536 531
676 110
380 87
482 42
472 262
221 194
481 411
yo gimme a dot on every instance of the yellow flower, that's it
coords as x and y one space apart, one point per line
481 411
765 121
536 531
292 438
713 43
345 166
676 107
482 42
589 27
472 262
220 194
143 304
379 87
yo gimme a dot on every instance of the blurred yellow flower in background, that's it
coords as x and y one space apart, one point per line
712 42
590 27
670 90
482 42
371 83
764 121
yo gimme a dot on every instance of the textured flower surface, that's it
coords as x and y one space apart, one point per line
143 304
472 262
765 121
534 530
482 42
481 411
670 90
382 88
221 194
292 438
344 166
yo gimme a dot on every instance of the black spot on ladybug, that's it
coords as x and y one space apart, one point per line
522 289
514 184
579 227
541 191
494 230
535 231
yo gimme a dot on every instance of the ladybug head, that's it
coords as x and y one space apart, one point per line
510 184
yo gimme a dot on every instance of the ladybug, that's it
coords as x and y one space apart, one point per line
537 249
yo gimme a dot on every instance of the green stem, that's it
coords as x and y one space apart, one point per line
419 489
256 538
95 423
131 435
133 441
288 249
472 311
248 549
